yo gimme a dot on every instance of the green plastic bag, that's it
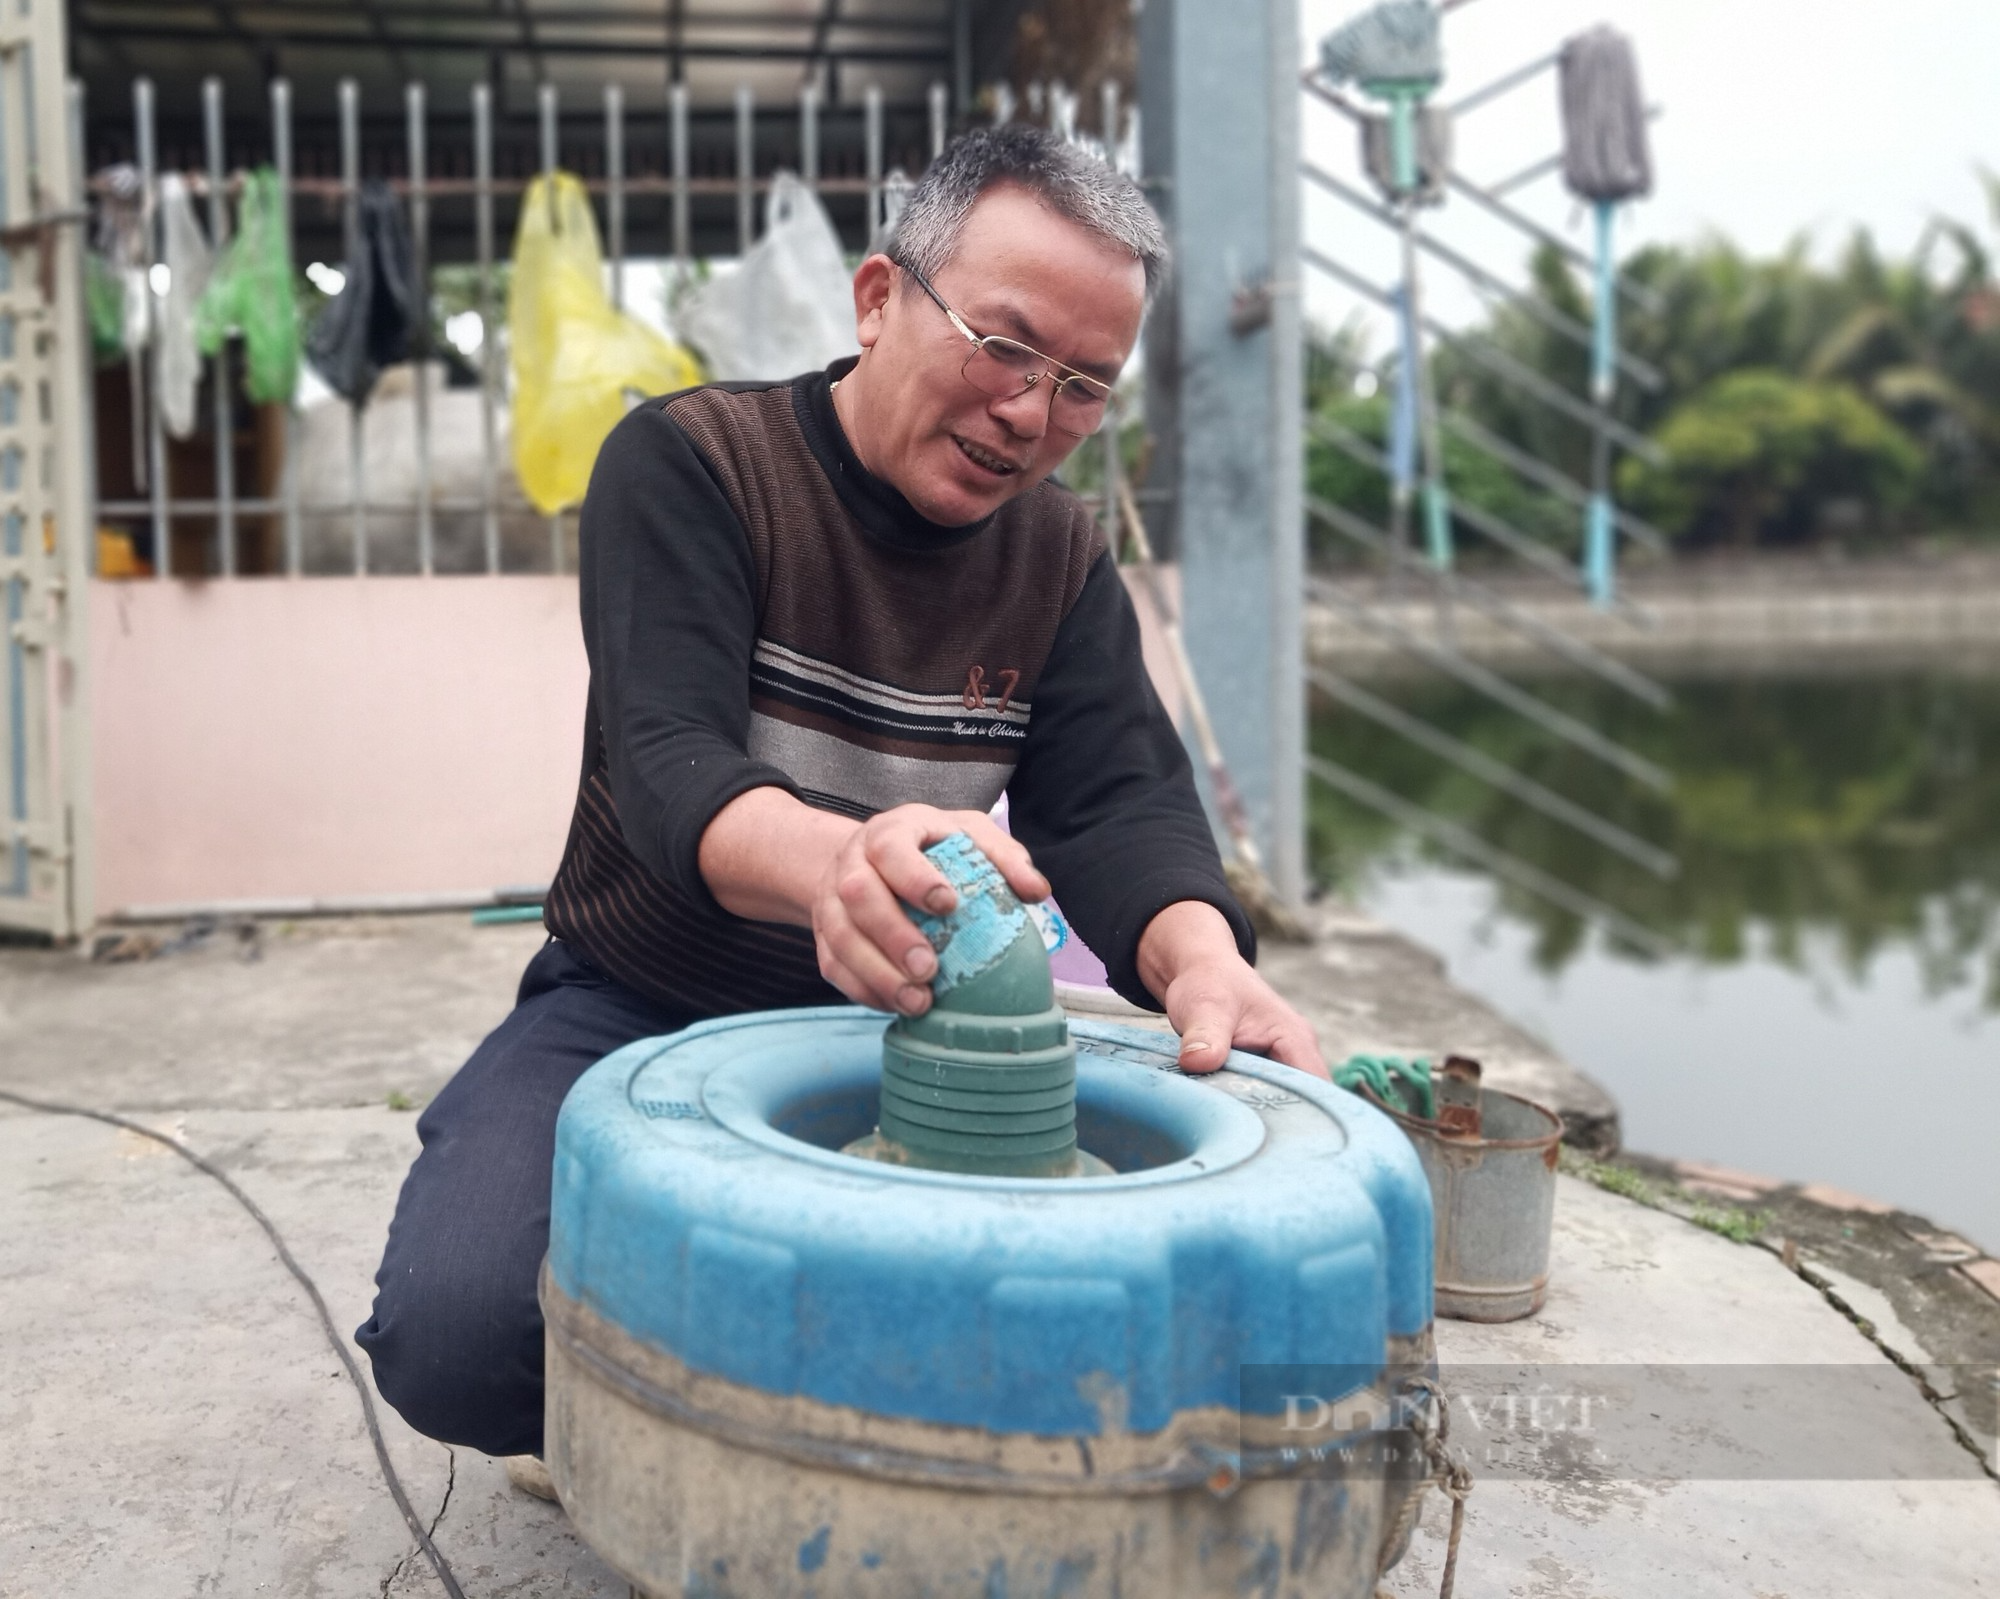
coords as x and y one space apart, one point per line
252 293
104 298
575 356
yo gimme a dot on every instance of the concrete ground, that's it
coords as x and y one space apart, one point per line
177 1424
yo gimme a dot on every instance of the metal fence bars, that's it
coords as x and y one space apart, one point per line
400 503
415 477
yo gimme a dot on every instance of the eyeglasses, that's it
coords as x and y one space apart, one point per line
1007 369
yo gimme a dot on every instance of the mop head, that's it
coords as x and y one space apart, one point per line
1394 42
1433 154
1605 157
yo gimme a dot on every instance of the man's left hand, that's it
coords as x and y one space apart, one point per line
1214 998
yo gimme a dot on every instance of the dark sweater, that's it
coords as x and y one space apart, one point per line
759 610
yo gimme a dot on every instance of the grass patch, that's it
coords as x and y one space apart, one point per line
1620 1180
1739 1226
398 1100
1726 1221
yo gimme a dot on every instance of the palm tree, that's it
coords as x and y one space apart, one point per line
1914 341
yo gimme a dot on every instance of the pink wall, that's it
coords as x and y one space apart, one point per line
332 737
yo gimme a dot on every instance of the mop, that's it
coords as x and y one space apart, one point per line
1605 161
1392 53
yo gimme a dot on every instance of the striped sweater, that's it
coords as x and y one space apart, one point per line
758 609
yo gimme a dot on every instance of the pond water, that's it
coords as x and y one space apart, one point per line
1832 1008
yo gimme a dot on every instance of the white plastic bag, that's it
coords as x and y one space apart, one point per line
189 263
789 305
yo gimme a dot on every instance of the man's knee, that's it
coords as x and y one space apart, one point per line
459 1357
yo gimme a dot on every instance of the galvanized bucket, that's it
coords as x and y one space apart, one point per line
1491 1161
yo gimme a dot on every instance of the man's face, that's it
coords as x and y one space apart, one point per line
1020 270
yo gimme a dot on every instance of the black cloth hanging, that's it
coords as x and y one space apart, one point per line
371 323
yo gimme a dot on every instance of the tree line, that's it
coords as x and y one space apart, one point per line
1802 404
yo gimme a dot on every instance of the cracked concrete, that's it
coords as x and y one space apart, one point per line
430 1530
178 1424
1901 1282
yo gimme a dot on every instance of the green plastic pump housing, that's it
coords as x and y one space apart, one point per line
984 1082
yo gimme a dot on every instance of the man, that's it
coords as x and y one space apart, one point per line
829 622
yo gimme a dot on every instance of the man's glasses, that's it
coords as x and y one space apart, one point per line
1007 369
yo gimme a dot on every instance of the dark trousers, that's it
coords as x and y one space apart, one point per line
456 1336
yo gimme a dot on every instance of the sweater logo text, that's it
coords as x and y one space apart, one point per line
974 697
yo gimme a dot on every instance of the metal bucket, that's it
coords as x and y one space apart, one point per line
1491 1161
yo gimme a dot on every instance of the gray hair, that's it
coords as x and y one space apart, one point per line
1067 178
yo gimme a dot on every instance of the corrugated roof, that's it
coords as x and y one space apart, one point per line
773 45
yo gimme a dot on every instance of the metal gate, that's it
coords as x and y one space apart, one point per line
44 455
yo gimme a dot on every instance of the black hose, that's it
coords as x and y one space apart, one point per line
438 1562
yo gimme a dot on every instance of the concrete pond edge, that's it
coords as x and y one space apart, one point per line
1901 1282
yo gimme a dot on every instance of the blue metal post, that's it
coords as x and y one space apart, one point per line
1600 548
1224 383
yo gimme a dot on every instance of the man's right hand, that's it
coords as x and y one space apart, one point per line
869 948
769 856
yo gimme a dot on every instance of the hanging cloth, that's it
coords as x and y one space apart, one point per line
368 325
189 261
104 300
576 357
118 234
252 294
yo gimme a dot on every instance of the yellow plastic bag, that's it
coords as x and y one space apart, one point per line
576 358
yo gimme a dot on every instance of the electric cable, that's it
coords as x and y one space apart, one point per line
209 1169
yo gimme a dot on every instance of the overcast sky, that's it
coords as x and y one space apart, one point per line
1781 116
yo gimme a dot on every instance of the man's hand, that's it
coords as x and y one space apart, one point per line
869 948
1214 997
768 856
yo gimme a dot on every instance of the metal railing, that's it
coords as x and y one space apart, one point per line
1388 608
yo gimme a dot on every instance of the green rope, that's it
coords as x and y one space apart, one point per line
1393 1079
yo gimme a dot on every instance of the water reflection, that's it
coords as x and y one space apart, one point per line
1835 1014
1844 815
